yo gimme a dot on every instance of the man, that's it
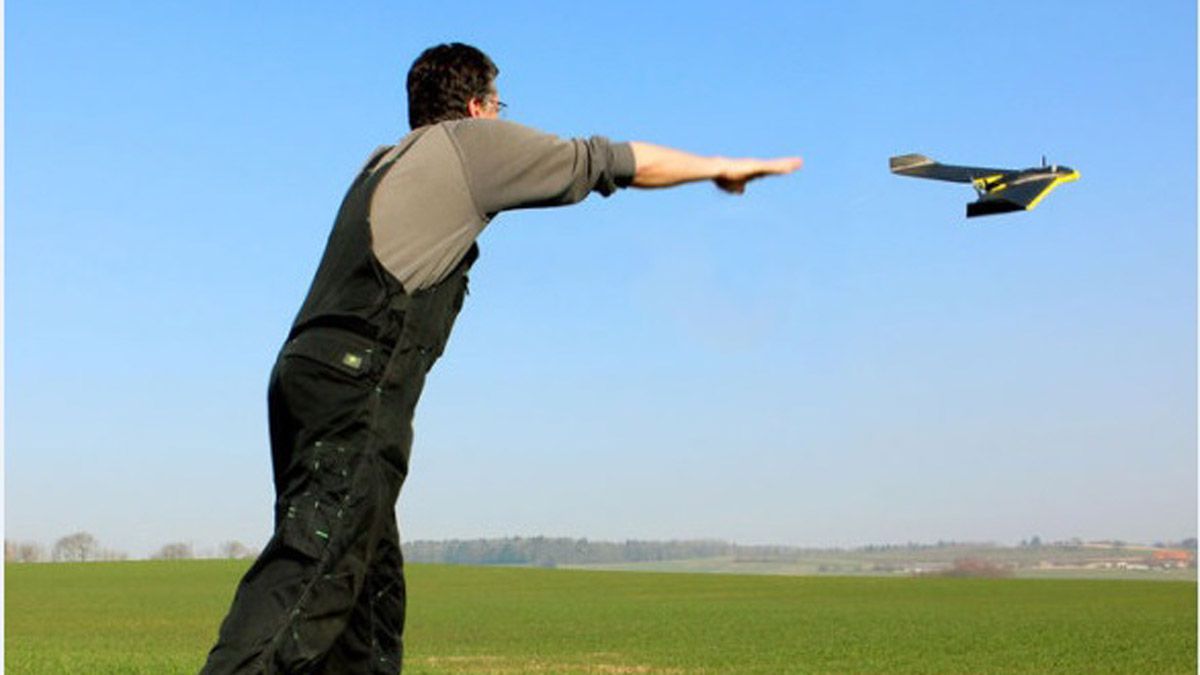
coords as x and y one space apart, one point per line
327 593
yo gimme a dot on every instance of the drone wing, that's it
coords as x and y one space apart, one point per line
1020 196
920 166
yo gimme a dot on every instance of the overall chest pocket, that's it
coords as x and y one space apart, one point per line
430 316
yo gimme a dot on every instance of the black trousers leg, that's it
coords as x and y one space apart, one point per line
335 523
372 642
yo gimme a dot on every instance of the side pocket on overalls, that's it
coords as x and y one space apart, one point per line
329 381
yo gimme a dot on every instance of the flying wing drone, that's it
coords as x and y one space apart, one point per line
1000 190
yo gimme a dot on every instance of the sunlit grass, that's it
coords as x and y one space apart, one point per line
161 617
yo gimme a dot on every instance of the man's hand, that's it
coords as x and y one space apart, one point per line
738 172
665 167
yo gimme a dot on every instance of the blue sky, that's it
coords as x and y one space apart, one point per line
836 358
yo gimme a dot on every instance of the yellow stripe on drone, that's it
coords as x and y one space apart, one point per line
1074 175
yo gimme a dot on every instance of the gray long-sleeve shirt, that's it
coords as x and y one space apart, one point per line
450 179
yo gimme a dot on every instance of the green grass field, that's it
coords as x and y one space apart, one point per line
161 617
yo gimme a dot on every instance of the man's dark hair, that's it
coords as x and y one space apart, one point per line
443 79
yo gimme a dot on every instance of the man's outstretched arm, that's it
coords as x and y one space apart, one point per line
659 167
510 166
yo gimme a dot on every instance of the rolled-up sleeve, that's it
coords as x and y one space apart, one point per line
510 166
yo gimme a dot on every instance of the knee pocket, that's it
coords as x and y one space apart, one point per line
319 510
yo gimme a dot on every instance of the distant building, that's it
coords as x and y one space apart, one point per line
1174 558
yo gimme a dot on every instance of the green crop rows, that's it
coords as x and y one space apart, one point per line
161 617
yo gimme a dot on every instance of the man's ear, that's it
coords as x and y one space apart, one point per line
475 107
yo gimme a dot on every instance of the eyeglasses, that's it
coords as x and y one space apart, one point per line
488 102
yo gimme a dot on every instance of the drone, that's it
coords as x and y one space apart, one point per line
999 190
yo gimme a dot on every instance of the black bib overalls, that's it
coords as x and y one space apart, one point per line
327 593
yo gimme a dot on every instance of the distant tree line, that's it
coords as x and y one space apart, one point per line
551 552
76 547
536 551
84 547
916 546
974 567
174 551
23 551
1188 544
234 550
554 551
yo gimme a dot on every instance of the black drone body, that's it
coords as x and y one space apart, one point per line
1000 190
